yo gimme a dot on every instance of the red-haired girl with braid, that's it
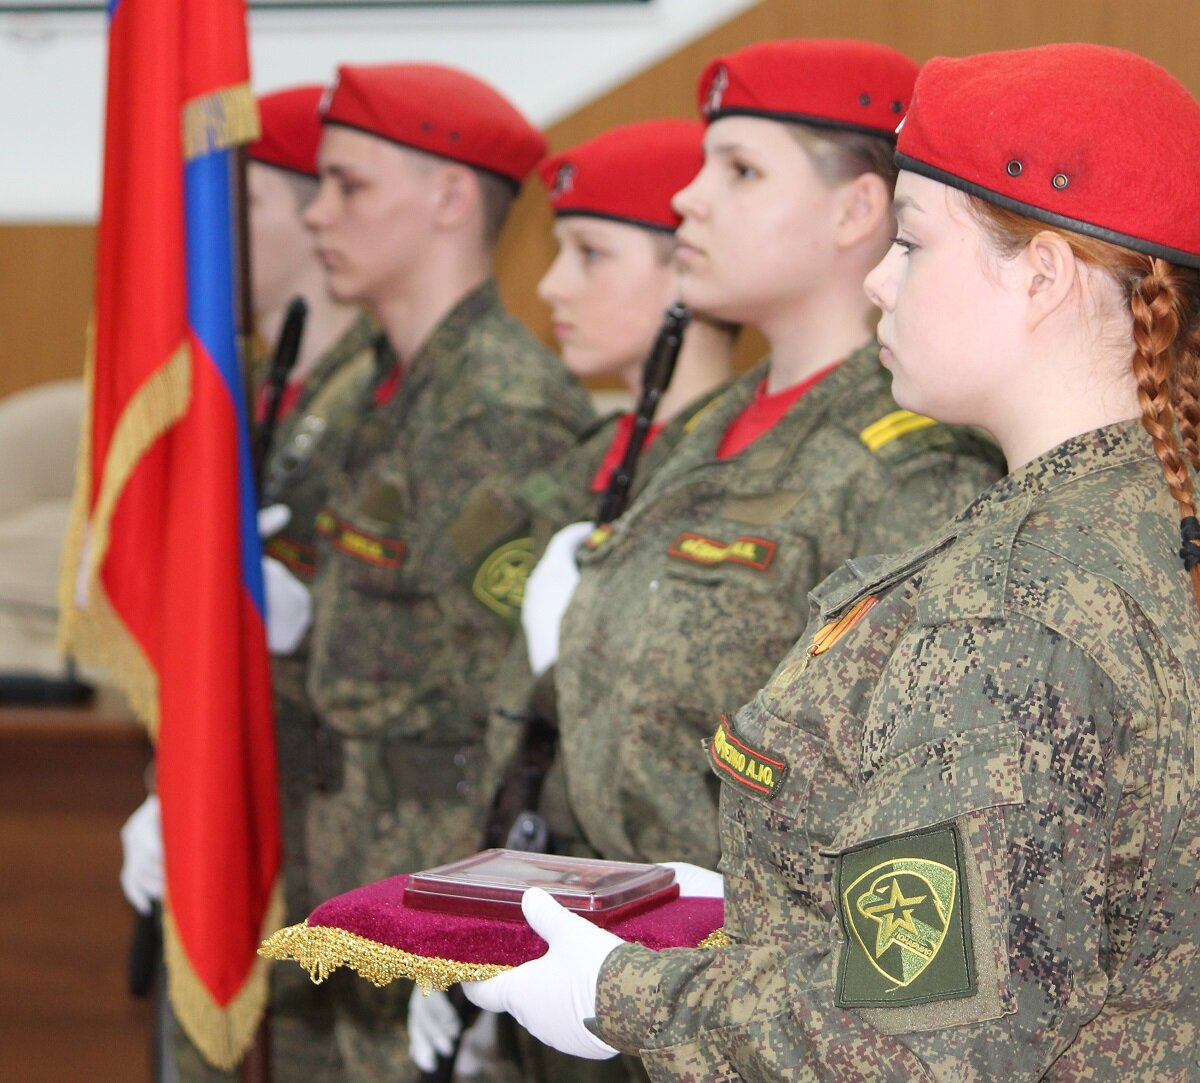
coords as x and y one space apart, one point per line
978 856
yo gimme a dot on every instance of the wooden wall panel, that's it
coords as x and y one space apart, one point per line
45 271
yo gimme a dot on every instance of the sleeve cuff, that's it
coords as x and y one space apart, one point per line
625 1007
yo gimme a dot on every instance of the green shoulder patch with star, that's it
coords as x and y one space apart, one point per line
499 581
905 921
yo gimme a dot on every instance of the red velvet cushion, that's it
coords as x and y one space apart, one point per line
372 931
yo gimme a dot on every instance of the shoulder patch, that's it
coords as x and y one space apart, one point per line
891 427
748 766
499 582
905 921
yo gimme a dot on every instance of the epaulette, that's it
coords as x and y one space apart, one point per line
900 435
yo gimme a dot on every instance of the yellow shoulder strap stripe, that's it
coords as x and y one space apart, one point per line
892 426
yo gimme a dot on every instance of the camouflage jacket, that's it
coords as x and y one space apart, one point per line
305 459
420 570
555 497
702 587
961 823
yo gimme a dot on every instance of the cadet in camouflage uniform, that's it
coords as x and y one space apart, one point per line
961 824
419 575
607 290
335 362
686 602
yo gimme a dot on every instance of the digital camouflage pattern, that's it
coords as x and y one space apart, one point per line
418 587
1006 715
555 497
303 461
702 586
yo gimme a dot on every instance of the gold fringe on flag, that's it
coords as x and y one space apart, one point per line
321 949
219 120
88 629
223 1035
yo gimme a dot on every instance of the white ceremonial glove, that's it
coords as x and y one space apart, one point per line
551 996
547 594
142 856
289 607
433 1027
271 520
478 1052
695 882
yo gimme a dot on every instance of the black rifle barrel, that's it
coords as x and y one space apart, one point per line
287 349
656 378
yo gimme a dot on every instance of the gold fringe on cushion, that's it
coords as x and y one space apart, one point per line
222 1034
89 629
219 120
718 938
321 949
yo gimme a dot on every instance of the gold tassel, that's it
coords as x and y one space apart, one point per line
222 1034
219 120
718 938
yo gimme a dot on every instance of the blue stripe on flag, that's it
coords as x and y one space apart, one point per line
212 303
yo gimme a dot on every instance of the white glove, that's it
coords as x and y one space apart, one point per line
271 520
551 996
142 856
289 607
478 1052
433 1027
695 882
548 592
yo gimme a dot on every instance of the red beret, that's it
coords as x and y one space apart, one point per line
438 110
1094 139
291 129
628 173
857 86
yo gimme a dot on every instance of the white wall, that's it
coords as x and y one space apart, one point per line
548 59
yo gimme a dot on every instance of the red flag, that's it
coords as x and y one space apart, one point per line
162 580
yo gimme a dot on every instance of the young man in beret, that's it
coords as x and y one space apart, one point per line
420 569
339 353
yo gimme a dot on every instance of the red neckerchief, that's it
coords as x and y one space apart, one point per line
386 389
616 450
763 412
288 400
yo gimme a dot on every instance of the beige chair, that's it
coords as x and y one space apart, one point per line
39 435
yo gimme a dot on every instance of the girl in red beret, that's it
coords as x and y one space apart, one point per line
978 856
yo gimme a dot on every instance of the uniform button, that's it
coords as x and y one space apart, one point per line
460 759
1014 168
462 788
385 822
1060 181
653 585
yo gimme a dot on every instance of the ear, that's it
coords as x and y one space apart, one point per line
457 195
864 204
1048 273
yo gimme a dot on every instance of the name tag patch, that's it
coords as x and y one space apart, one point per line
756 553
499 582
829 634
748 766
905 921
370 548
299 557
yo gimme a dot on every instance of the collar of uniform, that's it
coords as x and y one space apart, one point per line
359 336
446 338
1100 449
562 492
974 577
